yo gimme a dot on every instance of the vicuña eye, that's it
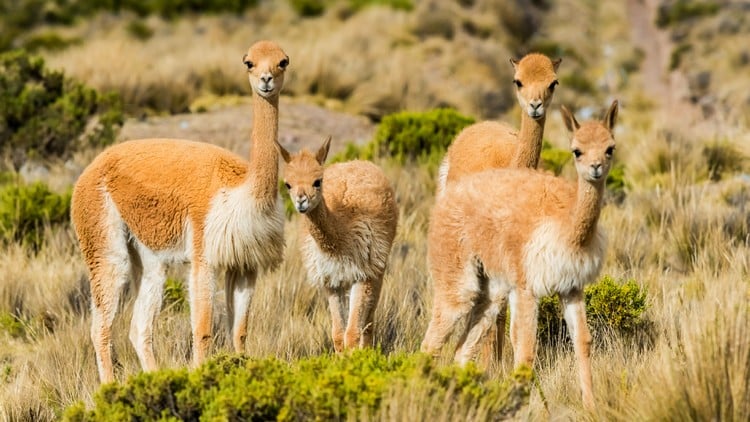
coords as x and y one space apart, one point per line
577 152
518 83
553 85
610 151
284 63
249 64
288 186
317 183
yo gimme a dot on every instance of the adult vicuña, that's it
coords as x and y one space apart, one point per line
350 218
491 144
523 234
145 203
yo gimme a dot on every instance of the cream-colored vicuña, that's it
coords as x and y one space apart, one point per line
491 144
350 217
521 234
143 204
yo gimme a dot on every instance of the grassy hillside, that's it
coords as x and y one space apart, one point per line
680 227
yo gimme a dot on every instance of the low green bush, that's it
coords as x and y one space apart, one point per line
308 8
43 114
410 136
326 387
25 210
554 159
674 12
175 296
611 306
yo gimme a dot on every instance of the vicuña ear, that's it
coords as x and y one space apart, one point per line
611 117
284 153
569 119
556 63
323 151
514 62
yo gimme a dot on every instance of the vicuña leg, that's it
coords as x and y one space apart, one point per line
202 281
363 299
482 316
146 308
492 347
523 322
239 289
336 305
575 316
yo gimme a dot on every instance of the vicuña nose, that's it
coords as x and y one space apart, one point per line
536 104
596 166
266 78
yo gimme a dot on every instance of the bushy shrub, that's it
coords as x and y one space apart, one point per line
611 306
554 159
308 8
722 157
671 13
175 296
44 114
416 136
324 387
25 210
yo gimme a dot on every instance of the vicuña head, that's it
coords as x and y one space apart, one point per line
535 79
528 235
143 204
349 223
266 63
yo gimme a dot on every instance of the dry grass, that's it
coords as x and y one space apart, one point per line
685 238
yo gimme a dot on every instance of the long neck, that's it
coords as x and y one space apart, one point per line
586 212
322 227
529 142
264 160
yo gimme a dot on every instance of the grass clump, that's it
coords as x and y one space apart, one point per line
308 8
672 13
43 114
611 306
722 157
316 388
410 136
25 210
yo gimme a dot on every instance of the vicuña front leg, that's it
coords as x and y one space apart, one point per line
202 279
523 322
492 347
336 305
240 286
363 298
575 317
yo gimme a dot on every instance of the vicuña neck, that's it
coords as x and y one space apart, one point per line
586 212
322 227
529 142
264 161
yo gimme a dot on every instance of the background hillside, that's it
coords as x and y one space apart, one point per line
678 223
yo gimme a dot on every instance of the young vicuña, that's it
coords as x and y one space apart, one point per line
349 223
521 234
145 203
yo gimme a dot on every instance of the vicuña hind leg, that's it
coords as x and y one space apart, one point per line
336 305
492 346
363 299
201 285
239 293
575 316
146 308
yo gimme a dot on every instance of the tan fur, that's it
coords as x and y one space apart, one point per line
145 203
525 234
487 145
348 228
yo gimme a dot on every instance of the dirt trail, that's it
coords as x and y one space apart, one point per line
668 88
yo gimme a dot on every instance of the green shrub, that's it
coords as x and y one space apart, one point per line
616 183
48 41
611 306
139 30
26 209
577 82
175 296
414 136
554 159
671 13
324 387
44 114
394 4
676 57
308 8
12 325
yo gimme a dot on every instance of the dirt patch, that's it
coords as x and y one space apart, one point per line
300 125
